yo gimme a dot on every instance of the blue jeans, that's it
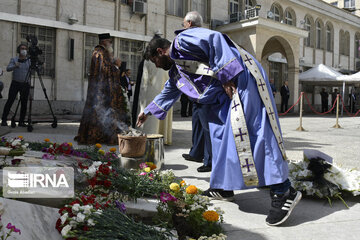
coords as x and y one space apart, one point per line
281 188
201 147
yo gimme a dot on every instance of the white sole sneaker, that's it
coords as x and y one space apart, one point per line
291 207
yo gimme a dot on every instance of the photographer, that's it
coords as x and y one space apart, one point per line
19 67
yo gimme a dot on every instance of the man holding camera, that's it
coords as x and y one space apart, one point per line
19 66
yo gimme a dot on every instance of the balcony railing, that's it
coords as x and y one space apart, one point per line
249 13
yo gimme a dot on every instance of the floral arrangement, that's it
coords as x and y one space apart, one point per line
184 208
13 147
317 177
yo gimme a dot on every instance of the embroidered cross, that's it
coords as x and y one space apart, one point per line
207 68
262 84
280 141
247 165
235 105
183 65
271 113
248 59
241 134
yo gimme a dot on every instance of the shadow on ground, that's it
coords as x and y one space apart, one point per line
300 144
309 209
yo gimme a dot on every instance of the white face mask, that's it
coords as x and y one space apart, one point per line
23 52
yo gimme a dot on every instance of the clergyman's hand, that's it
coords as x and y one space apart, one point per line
141 119
229 88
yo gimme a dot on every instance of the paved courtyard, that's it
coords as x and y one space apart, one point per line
245 217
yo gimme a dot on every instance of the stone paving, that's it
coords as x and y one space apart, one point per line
245 217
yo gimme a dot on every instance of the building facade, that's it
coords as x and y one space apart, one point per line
287 36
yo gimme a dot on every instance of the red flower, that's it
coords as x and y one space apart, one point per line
58 225
104 169
85 228
107 183
92 181
97 205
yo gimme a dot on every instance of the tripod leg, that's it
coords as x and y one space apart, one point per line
54 124
13 122
31 98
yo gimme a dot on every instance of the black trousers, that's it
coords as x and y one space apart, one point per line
284 103
24 90
186 106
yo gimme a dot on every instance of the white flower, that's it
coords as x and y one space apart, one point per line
76 207
65 230
97 163
87 209
90 222
99 211
73 223
80 217
63 218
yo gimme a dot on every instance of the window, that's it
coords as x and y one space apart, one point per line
308 27
202 7
329 38
249 4
318 35
289 19
349 3
357 45
234 6
344 43
46 42
176 7
90 42
131 52
277 13
334 4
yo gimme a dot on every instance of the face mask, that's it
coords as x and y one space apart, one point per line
23 52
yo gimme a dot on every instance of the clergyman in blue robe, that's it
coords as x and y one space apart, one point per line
232 75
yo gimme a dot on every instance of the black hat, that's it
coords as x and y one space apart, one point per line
103 36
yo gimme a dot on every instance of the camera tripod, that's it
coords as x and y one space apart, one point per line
30 79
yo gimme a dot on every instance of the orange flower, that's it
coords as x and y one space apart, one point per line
70 144
211 216
191 189
151 165
182 183
98 145
20 137
112 150
47 140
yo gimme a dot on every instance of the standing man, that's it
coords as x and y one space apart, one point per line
19 66
127 83
324 100
245 133
1 83
285 94
201 142
104 114
273 88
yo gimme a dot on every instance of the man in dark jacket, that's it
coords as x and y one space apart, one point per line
285 94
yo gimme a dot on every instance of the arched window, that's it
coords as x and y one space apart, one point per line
290 17
319 34
357 45
309 28
329 37
277 13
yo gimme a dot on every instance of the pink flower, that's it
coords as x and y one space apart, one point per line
143 165
142 173
167 197
12 227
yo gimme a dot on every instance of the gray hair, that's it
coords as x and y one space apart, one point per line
195 18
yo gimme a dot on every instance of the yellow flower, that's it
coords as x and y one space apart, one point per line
147 169
98 145
211 216
112 150
47 140
175 187
70 144
102 152
191 189
20 137
182 183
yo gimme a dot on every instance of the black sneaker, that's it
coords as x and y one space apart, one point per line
190 158
281 206
4 123
22 124
219 194
204 168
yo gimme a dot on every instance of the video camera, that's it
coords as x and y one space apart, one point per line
34 50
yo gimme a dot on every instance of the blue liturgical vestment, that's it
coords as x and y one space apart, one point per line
217 50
